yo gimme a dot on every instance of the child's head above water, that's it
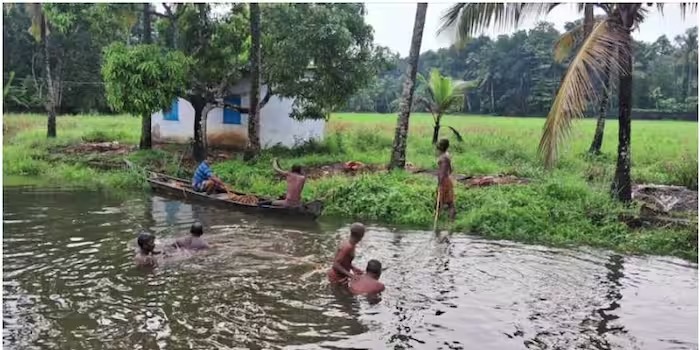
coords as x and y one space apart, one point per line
374 267
196 229
357 231
146 241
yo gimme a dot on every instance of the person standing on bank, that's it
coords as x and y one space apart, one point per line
445 185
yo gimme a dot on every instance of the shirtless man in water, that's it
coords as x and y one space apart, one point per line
342 268
145 257
295 184
369 282
445 186
194 241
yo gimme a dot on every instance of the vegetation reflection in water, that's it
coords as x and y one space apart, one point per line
69 282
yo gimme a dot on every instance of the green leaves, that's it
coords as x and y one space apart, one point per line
442 93
142 79
320 54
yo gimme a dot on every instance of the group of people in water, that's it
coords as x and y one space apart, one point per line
342 271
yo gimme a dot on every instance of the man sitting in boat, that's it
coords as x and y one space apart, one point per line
194 241
295 184
368 283
204 179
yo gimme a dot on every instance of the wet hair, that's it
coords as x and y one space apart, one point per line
357 231
144 237
196 229
296 168
443 145
374 266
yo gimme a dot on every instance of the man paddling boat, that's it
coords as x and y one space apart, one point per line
295 185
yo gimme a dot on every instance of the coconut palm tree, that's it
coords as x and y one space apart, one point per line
608 47
689 52
442 95
398 151
40 31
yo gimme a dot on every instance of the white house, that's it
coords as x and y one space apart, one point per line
229 128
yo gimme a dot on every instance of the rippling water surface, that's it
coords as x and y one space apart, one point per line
69 283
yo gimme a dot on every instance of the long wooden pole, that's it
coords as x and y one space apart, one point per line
437 209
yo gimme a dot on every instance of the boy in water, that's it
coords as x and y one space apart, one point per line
145 257
445 185
295 184
342 268
204 179
194 241
369 282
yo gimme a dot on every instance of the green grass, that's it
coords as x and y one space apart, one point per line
566 206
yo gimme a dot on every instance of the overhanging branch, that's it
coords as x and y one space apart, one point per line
266 99
223 104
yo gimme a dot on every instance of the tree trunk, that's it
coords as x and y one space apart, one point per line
398 154
51 91
147 28
145 132
436 129
688 78
253 145
146 118
602 110
622 183
587 19
199 151
493 99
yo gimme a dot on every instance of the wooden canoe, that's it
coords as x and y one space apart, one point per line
181 188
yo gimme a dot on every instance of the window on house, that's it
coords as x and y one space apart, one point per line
171 114
231 116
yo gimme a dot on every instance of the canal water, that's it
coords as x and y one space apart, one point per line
69 283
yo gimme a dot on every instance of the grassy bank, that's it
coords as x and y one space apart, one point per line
568 205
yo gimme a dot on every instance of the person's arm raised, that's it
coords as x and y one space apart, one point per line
276 167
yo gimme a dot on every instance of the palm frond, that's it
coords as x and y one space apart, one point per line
566 42
579 86
472 18
455 132
421 79
685 7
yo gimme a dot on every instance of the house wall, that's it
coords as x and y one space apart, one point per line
171 131
275 125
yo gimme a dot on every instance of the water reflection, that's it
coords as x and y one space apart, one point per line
69 282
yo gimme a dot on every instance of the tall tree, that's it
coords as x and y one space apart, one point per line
398 151
146 22
142 79
40 31
146 139
219 46
609 46
253 146
317 54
